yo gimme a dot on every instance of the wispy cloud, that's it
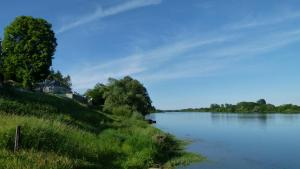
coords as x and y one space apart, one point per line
142 62
205 4
102 13
173 60
215 60
258 22
191 55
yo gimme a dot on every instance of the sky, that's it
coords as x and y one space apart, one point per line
187 53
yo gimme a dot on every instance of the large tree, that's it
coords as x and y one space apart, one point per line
127 95
0 48
1 57
29 44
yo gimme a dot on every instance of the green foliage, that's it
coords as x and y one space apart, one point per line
260 106
261 102
121 97
288 108
122 110
64 81
127 93
183 159
28 45
60 133
1 61
0 47
96 95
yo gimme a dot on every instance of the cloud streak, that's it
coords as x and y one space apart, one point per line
102 13
140 63
173 60
192 55
256 22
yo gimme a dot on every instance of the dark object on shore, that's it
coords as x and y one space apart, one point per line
150 121
17 139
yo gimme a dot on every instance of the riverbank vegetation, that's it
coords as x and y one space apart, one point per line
58 132
261 106
125 95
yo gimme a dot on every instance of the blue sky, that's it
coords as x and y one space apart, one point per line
187 53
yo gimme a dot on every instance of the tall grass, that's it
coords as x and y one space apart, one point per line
41 105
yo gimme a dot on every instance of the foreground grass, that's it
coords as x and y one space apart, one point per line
30 159
59 133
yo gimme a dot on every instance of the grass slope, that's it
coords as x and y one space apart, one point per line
58 133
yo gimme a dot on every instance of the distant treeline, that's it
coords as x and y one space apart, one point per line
261 106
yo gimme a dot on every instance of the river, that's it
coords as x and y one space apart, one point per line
237 141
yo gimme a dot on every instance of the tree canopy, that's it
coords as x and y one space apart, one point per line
28 46
0 48
1 60
261 106
122 96
261 101
64 80
127 93
96 95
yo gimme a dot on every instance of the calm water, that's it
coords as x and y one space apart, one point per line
238 141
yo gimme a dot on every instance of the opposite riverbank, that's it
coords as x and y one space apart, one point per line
260 106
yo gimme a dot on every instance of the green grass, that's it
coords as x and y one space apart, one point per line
50 106
30 160
60 133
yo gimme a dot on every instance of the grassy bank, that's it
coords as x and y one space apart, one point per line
59 133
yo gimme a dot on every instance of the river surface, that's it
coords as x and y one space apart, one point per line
237 141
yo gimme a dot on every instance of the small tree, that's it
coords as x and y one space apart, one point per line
97 95
63 80
261 102
29 44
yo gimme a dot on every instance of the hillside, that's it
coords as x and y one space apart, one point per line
60 133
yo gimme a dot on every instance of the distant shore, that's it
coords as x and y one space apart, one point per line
261 106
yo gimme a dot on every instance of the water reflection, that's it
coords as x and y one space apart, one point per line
243 118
